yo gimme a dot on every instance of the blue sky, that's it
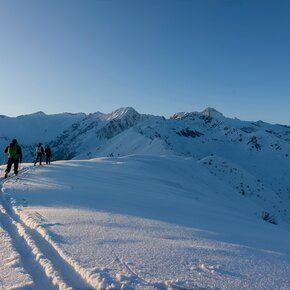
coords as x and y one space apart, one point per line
158 56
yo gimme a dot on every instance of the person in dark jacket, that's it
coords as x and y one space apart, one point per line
39 152
47 152
14 157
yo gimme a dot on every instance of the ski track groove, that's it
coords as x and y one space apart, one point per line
138 279
97 280
67 272
46 267
62 267
27 257
135 275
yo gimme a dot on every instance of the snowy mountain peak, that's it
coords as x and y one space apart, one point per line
39 113
122 113
206 113
211 112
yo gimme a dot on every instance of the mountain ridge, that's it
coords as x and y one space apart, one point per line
67 127
253 150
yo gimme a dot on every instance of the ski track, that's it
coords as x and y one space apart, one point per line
46 267
49 267
29 263
134 277
58 270
67 273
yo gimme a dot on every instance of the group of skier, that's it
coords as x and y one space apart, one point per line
15 156
40 152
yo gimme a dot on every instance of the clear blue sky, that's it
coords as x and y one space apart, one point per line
157 56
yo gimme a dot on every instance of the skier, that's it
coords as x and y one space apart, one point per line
39 152
47 152
14 157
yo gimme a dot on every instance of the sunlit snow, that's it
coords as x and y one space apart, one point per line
136 222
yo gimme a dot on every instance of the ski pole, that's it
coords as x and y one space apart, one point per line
3 163
4 158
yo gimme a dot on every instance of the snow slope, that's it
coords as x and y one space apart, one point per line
259 149
41 127
139 222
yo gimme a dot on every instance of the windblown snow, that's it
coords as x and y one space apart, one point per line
160 204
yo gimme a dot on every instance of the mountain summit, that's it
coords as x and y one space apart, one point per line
124 112
211 112
207 113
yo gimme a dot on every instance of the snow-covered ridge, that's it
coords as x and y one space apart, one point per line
261 149
141 222
91 132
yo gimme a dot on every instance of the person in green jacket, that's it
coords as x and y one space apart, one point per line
14 157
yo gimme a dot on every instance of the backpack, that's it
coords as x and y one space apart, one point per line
38 150
13 151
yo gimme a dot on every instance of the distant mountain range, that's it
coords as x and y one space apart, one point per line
253 157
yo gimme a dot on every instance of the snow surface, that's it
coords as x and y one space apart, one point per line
140 222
